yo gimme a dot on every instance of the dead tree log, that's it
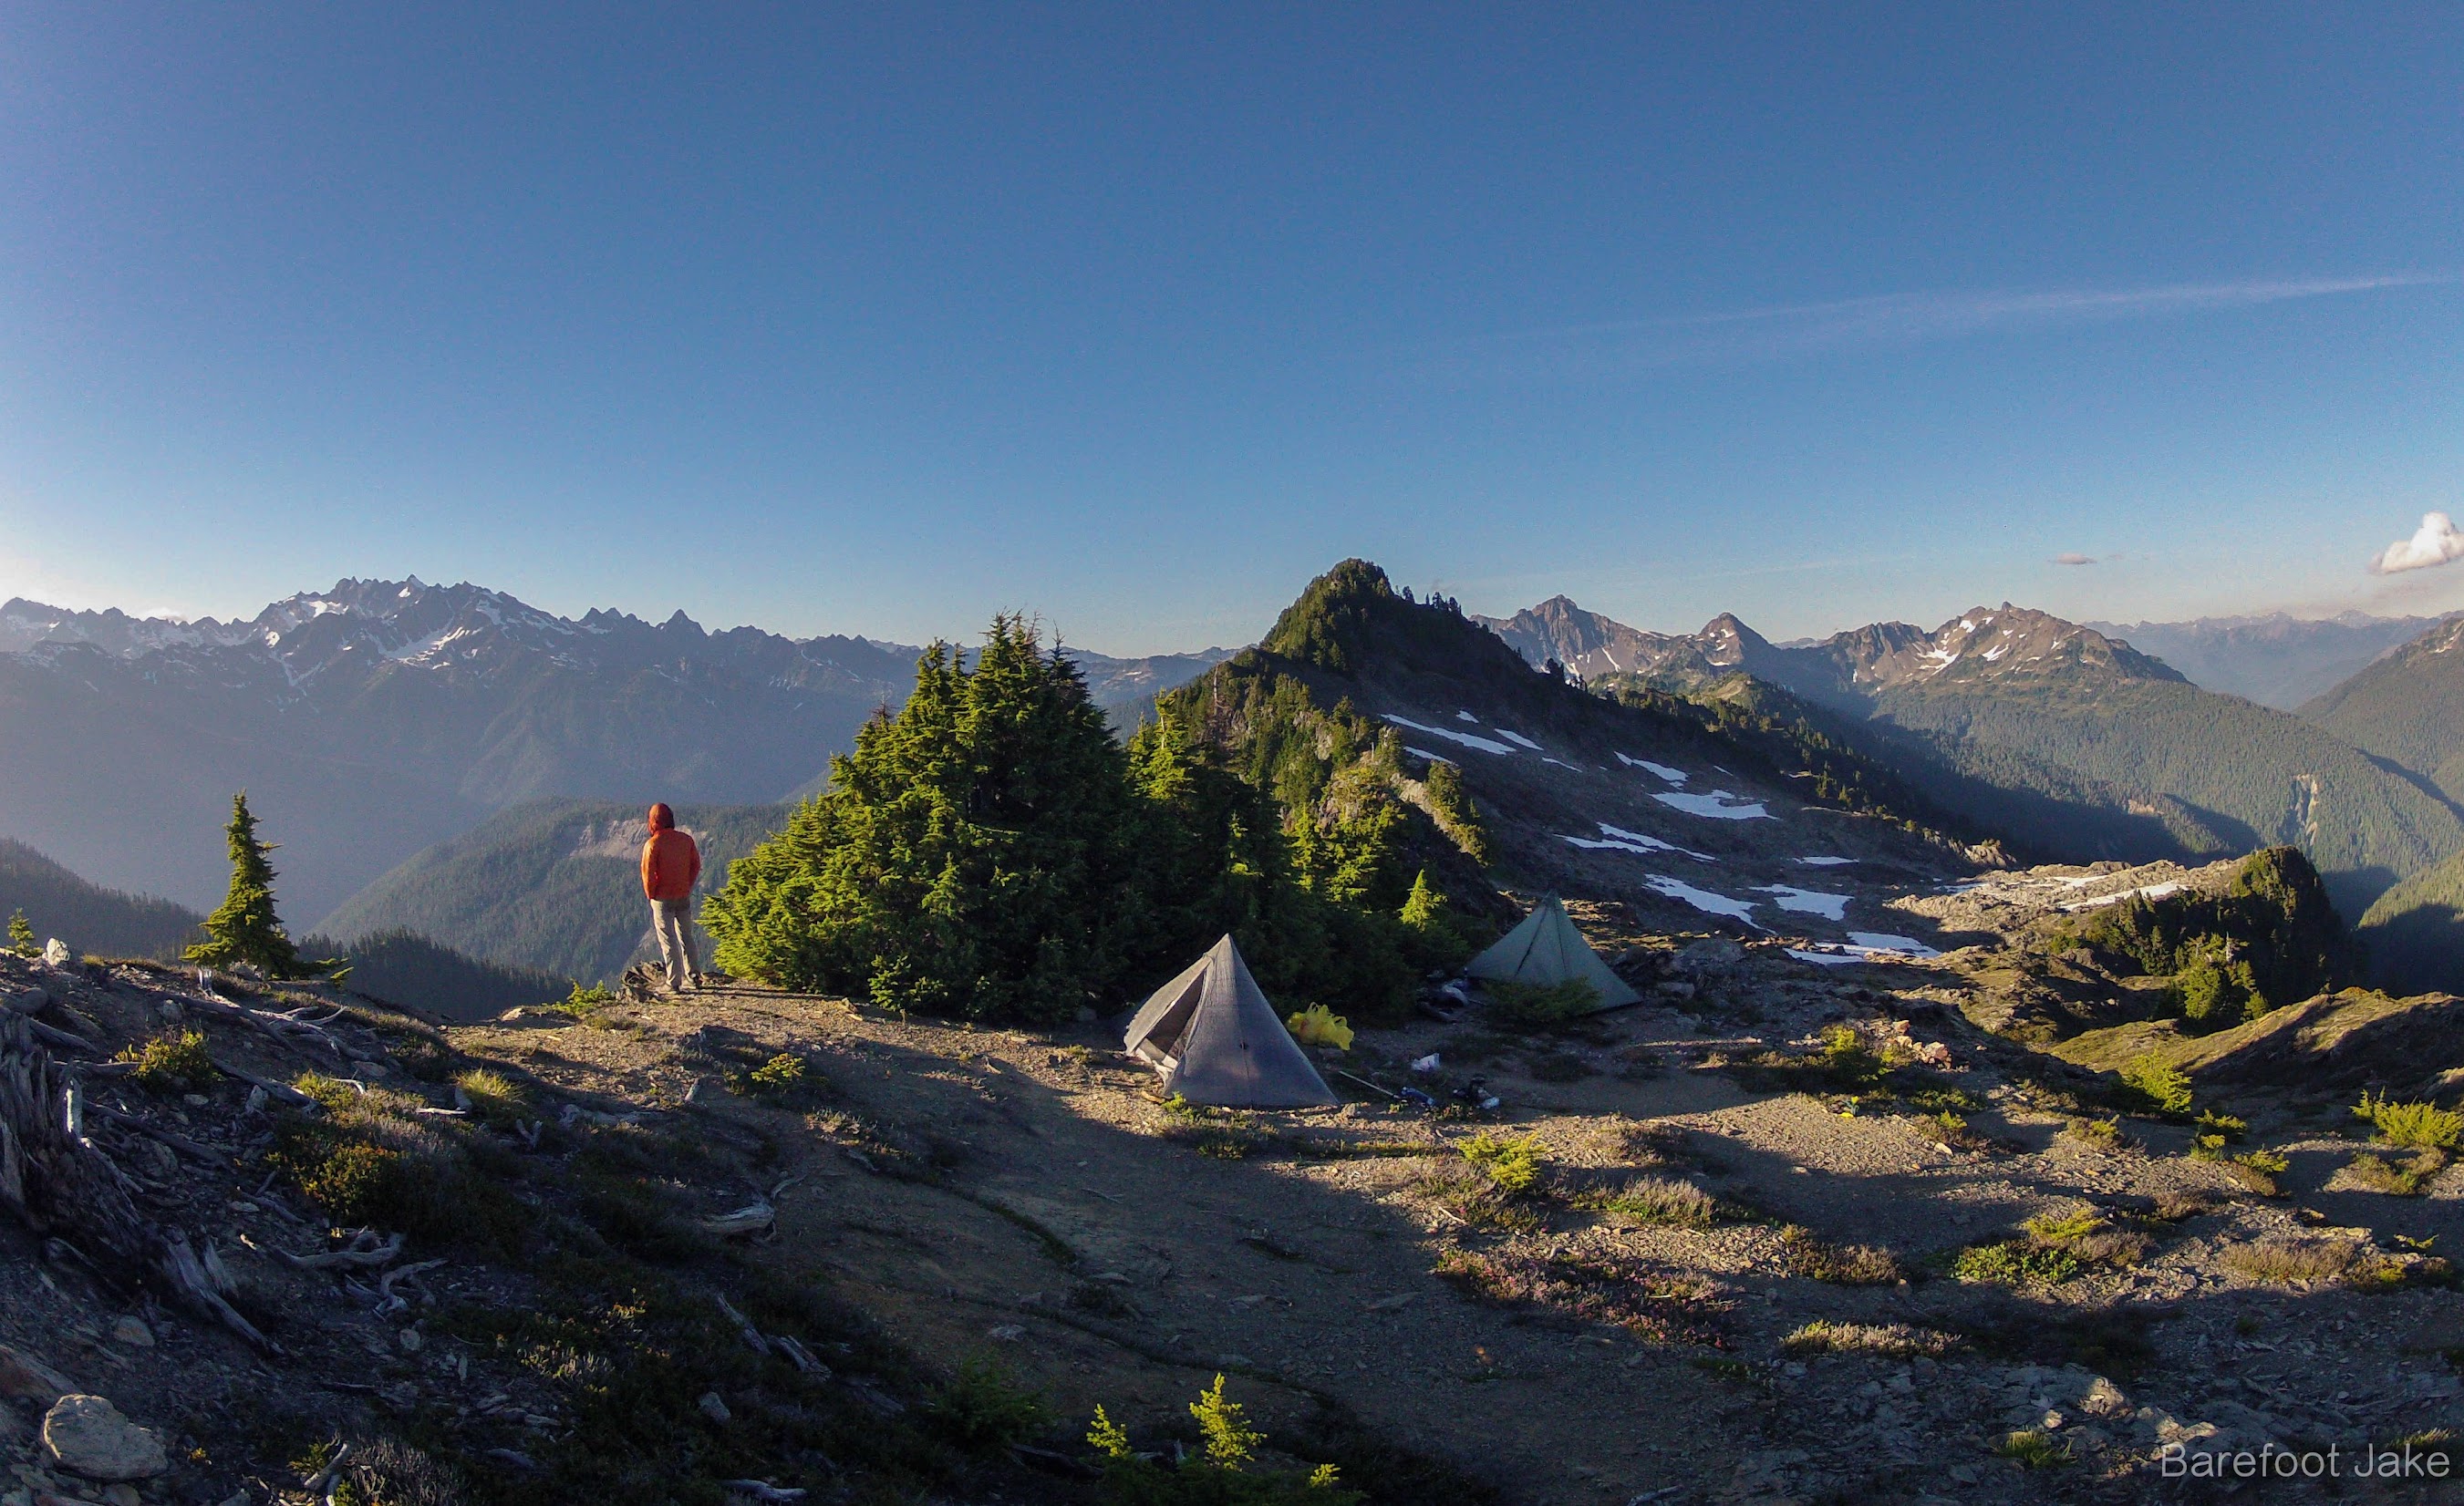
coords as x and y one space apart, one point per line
65 1189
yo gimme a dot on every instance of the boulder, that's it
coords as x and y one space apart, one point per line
86 1435
57 954
1709 954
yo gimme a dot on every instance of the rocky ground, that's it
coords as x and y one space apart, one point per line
1787 1232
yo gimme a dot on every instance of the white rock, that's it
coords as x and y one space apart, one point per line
57 954
412 1341
86 1435
132 1331
712 1407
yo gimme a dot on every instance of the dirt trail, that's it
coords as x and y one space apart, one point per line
1113 1253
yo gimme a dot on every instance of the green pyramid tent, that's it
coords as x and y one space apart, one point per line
1546 949
1212 1034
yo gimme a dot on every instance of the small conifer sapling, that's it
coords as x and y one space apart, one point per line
245 927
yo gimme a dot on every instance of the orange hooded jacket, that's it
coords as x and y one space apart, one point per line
671 863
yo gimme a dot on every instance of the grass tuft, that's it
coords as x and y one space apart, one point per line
2052 1249
2099 1136
2032 1448
1805 1253
495 1099
1897 1341
2410 1179
1655 1200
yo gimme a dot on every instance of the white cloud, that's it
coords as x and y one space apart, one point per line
2075 559
2436 542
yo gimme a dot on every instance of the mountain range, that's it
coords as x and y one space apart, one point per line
448 761
373 719
2275 659
2075 745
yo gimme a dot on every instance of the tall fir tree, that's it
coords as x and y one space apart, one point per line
244 928
967 857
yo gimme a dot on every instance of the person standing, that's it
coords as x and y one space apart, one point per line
671 863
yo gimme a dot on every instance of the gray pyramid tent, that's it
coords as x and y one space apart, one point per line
1545 950
1215 1039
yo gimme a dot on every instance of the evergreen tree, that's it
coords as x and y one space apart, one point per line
1431 937
244 928
21 935
968 858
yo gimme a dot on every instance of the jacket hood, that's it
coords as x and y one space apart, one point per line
662 819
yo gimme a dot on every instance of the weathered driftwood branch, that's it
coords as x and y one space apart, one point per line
52 1036
753 1338
67 1190
282 1092
363 1254
180 1142
752 1218
385 1285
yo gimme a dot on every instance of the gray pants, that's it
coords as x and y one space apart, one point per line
671 922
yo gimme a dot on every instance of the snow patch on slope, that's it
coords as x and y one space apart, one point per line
1468 740
1715 805
1675 776
1704 900
1809 902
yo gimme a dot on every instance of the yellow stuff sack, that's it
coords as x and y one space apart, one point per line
1313 1026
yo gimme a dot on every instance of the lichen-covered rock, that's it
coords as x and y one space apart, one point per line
86 1435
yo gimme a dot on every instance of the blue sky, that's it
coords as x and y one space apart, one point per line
879 319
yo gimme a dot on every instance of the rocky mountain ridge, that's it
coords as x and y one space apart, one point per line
2076 745
1985 645
375 718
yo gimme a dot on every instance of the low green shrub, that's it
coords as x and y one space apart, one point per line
777 1077
983 1409
1221 1475
1538 1006
2051 1250
1512 1164
2415 1125
2258 1171
172 1061
584 1003
2150 1086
